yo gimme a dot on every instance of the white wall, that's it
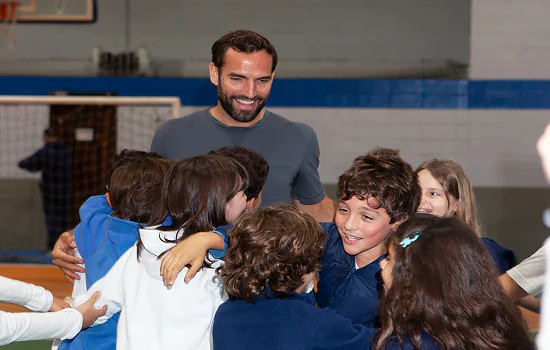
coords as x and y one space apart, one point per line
314 38
496 147
509 39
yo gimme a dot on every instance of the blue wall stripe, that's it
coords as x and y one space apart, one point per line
335 93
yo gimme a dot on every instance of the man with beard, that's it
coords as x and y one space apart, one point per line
243 65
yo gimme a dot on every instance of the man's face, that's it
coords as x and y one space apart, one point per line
244 83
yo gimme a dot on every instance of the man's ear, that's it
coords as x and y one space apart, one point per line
214 73
108 197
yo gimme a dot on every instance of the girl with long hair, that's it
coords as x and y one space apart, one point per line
446 191
439 285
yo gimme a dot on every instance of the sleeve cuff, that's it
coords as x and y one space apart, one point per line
524 283
310 200
216 253
76 321
41 300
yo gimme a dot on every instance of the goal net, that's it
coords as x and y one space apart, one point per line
56 151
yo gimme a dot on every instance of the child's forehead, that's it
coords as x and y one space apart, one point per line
367 202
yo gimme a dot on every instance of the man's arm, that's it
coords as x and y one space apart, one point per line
308 192
63 256
322 211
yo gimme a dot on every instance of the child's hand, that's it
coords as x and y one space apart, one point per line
59 304
89 312
63 256
543 147
191 253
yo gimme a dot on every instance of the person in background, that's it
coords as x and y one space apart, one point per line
54 161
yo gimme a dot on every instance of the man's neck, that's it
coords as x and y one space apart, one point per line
221 115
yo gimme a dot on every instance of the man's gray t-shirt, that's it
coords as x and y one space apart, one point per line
291 150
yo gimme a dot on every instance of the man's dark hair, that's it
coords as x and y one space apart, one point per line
49 132
242 41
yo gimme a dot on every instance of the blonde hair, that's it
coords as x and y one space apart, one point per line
456 184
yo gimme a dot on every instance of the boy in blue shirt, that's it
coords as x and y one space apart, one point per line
378 192
110 226
273 256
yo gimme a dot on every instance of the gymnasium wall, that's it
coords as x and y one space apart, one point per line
354 38
489 124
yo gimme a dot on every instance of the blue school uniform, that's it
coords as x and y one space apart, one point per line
353 293
101 239
503 258
293 323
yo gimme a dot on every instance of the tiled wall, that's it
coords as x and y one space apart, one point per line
509 39
496 147
313 38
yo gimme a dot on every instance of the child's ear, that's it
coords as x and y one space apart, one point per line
250 204
396 224
108 197
454 206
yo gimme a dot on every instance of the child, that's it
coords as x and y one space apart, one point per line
198 193
439 281
110 226
376 194
273 255
64 324
257 169
446 191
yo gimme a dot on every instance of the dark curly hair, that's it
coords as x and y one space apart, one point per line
242 41
385 177
271 249
445 284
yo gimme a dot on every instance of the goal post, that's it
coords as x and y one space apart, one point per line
87 131
174 102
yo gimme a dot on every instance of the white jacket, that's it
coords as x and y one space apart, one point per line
14 327
152 316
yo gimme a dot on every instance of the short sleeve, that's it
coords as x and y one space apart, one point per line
307 187
529 274
158 145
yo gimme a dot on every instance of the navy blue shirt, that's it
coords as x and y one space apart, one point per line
503 258
352 293
54 161
293 323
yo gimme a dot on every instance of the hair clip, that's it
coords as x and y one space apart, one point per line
408 240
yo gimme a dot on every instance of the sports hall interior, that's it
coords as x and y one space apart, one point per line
466 80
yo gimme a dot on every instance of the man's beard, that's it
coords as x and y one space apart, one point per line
242 116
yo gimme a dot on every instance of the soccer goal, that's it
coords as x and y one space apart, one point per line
85 131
